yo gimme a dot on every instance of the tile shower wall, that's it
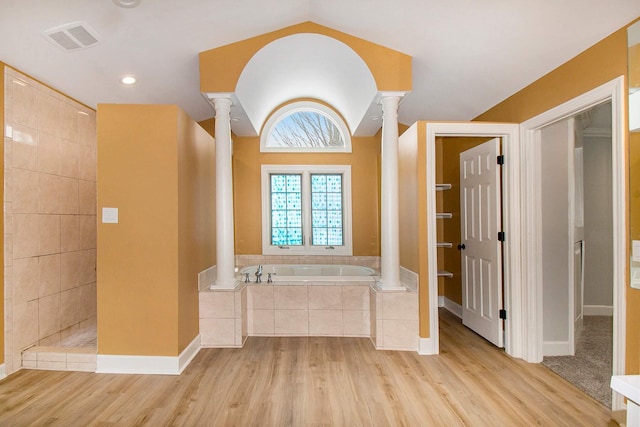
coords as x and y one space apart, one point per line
50 217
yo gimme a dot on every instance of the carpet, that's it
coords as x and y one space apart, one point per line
590 369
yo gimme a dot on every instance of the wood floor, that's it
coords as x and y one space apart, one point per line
312 382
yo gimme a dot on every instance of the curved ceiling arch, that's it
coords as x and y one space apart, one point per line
306 65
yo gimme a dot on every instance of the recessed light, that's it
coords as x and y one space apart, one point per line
128 80
127 3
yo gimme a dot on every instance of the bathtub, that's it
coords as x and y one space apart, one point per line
318 273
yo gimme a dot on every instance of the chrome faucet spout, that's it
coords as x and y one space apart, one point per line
259 274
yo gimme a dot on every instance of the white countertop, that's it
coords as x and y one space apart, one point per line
628 386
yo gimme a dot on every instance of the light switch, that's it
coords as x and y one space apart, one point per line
109 215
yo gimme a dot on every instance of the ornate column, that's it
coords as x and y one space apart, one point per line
225 249
389 230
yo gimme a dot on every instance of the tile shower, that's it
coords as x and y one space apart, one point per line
50 219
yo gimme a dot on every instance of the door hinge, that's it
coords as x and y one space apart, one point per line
503 314
501 159
501 236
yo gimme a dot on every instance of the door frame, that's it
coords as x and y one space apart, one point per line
510 134
613 91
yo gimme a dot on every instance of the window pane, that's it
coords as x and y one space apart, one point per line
319 219
305 129
318 201
335 236
326 209
320 236
286 209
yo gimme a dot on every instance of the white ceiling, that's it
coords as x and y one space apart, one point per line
468 55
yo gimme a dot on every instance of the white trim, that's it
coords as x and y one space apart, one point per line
189 353
3 371
150 365
302 106
558 348
453 307
427 346
598 310
440 301
532 273
510 216
306 248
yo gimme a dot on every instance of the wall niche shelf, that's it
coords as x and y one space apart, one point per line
444 244
445 273
442 187
444 215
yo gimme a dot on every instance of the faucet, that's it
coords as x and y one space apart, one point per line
259 274
246 278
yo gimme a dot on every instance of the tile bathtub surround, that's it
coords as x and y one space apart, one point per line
223 317
60 359
308 310
396 320
50 216
366 261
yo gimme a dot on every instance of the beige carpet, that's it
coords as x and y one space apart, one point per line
590 369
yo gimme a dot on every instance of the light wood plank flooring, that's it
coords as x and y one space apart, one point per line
312 382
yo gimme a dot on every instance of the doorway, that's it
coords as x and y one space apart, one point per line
469 226
577 228
533 295
510 182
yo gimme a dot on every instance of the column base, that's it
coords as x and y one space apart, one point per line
389 287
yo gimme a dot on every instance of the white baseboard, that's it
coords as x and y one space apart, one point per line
597 310
440 301
427 346
453 307
155 365
3 371
556 348
189 353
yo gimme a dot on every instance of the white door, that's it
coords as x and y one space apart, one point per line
481 250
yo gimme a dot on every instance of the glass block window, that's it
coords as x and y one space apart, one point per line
326 209
305 126
306 210
286 209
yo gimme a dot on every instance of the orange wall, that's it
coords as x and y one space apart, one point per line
413 206
147 299
220 68
2 316
599 64
247 161
196 220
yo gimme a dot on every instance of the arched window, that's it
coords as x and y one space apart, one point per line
305 126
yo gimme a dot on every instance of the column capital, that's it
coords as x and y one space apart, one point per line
390 97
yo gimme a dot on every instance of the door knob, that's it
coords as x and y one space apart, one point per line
461 247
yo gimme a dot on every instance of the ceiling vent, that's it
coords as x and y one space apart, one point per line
73 36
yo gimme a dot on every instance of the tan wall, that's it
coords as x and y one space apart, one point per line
634 65
221 67
413 207
196 219
142 290
599 64
247 161
2 316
